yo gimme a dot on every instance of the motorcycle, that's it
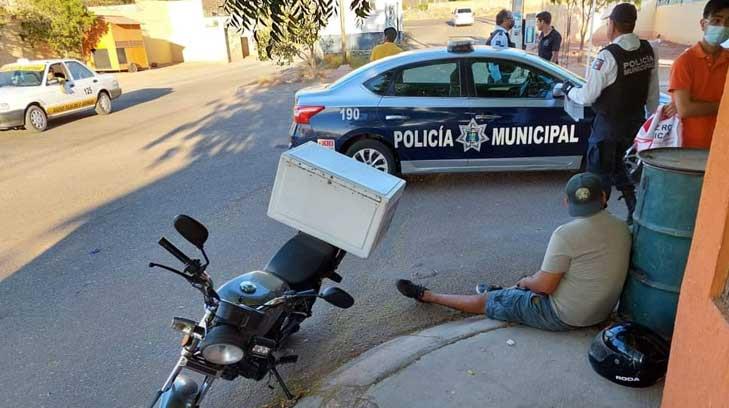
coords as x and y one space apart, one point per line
248 318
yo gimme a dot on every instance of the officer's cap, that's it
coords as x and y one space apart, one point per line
624 13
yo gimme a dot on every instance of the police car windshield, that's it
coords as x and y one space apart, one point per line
20 76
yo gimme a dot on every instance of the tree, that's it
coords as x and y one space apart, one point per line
60 24
586 11
298 40
279 15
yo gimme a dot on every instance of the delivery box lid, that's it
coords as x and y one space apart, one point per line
345 168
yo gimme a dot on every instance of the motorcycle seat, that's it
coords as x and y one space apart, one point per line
302 258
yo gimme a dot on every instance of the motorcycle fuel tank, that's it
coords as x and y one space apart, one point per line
253 288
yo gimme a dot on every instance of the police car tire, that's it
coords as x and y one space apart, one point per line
379 147
36 119
103 104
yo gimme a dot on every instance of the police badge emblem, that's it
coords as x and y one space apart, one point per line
472 135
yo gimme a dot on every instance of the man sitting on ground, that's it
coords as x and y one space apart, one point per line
388 47
581 277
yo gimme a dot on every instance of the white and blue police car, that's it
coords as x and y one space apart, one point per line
460 108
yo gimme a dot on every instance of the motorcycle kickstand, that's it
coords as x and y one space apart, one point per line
281 382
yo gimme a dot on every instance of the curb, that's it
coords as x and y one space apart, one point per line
345 386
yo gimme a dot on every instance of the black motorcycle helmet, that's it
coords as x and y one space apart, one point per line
629 354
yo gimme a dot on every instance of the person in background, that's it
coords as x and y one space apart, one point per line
581 277
550 40
698 76
388 47
622 82
500 38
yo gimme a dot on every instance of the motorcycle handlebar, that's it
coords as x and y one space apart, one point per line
171 248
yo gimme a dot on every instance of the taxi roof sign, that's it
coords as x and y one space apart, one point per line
460 46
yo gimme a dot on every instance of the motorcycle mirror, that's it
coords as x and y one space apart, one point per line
191 230
337 297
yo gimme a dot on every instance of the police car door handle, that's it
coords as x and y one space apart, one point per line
396 117
488 117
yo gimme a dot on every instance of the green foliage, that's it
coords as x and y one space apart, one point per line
279 15
60 24
3 16
94 3
423 7
298 40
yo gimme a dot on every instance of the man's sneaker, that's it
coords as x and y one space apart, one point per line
482 288
411 290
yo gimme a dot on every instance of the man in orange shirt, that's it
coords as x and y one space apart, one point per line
698 76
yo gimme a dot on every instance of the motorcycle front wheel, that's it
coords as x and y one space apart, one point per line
182 394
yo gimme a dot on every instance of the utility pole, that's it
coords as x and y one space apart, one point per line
343 29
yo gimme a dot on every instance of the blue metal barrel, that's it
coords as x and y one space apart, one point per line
668 198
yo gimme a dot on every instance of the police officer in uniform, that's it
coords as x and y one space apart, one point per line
500 37
622 82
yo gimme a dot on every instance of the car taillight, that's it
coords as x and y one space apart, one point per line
302 114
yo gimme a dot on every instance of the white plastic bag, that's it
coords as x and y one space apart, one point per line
659 133
654 133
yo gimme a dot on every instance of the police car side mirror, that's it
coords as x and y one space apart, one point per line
557 91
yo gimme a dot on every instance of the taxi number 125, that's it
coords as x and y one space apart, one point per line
349 113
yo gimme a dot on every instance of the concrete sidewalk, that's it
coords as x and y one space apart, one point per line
477 362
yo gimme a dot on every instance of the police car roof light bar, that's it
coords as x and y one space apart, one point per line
460 46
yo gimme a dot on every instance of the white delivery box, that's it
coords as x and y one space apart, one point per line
334 198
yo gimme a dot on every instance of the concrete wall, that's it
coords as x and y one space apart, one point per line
362 35
645 26
13 47
175 31
698 370
679 23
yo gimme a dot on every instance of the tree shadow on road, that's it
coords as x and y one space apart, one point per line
233 125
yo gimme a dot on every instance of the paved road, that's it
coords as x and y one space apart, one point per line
85 323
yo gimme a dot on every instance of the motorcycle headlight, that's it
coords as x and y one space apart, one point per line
223 345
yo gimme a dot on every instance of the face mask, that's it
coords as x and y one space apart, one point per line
715 35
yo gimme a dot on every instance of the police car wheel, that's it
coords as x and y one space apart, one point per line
36 119
103 104
373 153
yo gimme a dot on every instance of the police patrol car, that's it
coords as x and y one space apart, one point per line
31 92
455 109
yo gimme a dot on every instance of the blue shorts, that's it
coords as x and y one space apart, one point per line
525 307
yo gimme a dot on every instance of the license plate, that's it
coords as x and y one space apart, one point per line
328 143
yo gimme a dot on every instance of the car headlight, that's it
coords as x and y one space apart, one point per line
4 107
222 345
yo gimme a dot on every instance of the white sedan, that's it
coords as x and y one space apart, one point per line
31 92
462 16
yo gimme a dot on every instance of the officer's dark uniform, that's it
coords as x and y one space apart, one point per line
619 114
622 81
